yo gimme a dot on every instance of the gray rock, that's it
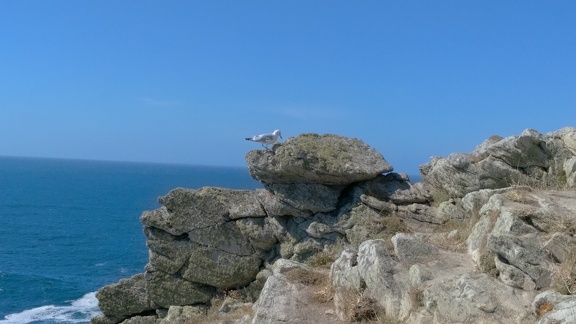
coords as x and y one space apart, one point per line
346 282
422 213
528 158
553 307
285 300
167 290
184 314
185 210
410 249
397 189
310 198
560 245
167 253
220 269
274 207
448 210
312 158
381 206
258 231
125 298
474 298
369 274
513 276
361 224
563 312
226 237
523 253
141 320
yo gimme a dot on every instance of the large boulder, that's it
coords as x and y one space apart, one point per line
322 159
126 298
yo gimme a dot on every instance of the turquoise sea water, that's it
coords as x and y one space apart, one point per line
69 227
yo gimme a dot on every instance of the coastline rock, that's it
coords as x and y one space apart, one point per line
321 159
530 158
448 250
124 299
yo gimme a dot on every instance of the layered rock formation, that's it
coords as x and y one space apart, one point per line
468 244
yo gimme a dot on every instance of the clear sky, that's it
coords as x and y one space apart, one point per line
186 81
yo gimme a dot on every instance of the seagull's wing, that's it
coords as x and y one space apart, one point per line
265 138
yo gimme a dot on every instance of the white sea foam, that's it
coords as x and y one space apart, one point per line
79 311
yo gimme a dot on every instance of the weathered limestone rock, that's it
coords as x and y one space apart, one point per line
475 298
285 299
523 228
185 210
560 246
224 259
422 213
530 158
369 274
166 290
183 314
308 197
312 158
219 268
524 253
141 320
409 249
126 298
397 189
552 308
259 232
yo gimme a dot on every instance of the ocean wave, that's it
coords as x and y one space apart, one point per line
79 311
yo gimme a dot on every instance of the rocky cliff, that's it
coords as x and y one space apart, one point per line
336 237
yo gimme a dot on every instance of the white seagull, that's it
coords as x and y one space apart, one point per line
265 139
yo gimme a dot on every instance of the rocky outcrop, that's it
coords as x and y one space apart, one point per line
530 158
462 246
321 159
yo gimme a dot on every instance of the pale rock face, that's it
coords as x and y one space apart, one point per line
365 274
283 300
410 249
554 307
501 162
474 298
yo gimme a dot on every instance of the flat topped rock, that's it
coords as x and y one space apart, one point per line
312 158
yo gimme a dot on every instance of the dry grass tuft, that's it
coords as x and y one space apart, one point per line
544 308
457 231
416 296
324 294
214 316
523 195
323 259
565 275
364 310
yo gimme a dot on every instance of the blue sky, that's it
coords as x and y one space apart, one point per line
187 81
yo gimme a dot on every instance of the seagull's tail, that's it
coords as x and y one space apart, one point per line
248 138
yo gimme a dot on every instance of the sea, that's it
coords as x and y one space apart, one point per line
69 227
